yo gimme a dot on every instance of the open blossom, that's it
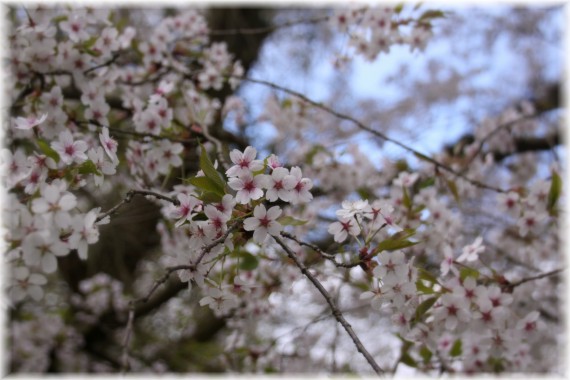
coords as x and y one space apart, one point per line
183 212
55 202
300 192
85 232
471 251
351 208
263 222
109 144
26 284
26 123
406 179
279 185
244 162
343 228
248 187
219 300
68 149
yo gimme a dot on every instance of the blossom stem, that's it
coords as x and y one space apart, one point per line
335 311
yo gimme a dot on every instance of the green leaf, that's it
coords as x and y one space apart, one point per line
209 170
290 221
90 42
209 197
392 245
427 276
468 272
408 360
365 193
426 183
423 289
453 188
406 201
555 191
88 167
424 307
398 8
205 184
431 14
47 150
426 354
456 349
247 261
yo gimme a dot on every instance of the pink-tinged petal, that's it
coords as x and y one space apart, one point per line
249 154
51 193
37 279
67 202
39 206
259 235
274 212
62 219
35 292
236 183
235 156
250 224
259 211
49 263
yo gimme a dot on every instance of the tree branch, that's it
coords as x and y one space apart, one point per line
335 311
376 133
129 197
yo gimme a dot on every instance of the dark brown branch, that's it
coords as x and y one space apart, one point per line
531 144
325 255
129 197
533 278
268 29
335 311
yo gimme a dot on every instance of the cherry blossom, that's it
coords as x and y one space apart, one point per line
219 300
343 228
26 284
68 149
471 252
248 187
244 163
279 185
263 222
55 202
85 232
300 192
183 212
109 144
29 122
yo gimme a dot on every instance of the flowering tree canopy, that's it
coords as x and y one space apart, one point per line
171 204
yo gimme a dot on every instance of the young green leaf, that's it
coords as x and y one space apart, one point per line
247 261
47 150
209 170
290 221
456 349
88 167
555 191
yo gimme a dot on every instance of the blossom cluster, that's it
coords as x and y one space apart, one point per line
374 30
200 223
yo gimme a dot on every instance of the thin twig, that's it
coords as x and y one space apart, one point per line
335 311
129 197
372 131
327 256
125 357
494 132
537 277
116 55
